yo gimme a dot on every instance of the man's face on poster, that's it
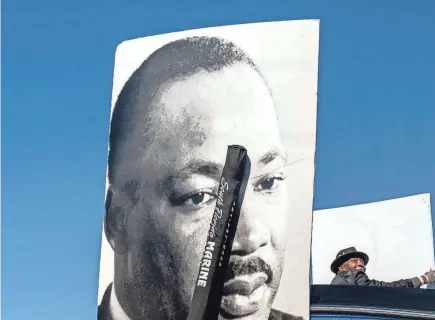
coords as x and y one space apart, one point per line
194 119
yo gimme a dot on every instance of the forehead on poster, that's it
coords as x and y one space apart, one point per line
173 119
144 98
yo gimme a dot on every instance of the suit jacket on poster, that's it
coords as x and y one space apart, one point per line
103 310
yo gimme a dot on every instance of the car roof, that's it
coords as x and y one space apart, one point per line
370 300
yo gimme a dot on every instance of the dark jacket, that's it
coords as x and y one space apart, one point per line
103 310
357 277
278 315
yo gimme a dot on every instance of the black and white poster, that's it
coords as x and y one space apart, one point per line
179 100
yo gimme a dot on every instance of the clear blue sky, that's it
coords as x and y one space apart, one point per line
376 122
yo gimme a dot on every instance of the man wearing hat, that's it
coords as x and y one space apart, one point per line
350 267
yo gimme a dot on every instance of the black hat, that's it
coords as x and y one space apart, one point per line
347 254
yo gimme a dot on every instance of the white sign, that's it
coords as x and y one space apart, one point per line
396 234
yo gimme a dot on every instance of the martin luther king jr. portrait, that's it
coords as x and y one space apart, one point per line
179 100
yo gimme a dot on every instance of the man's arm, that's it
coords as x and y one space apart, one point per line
362 279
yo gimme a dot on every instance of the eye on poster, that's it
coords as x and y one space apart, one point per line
396 236
179 100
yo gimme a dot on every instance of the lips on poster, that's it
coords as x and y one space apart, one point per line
179 100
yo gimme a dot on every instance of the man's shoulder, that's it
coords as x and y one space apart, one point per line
341 278
355 273
279 315
351 277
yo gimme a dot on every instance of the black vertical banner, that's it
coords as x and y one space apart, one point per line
214 262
